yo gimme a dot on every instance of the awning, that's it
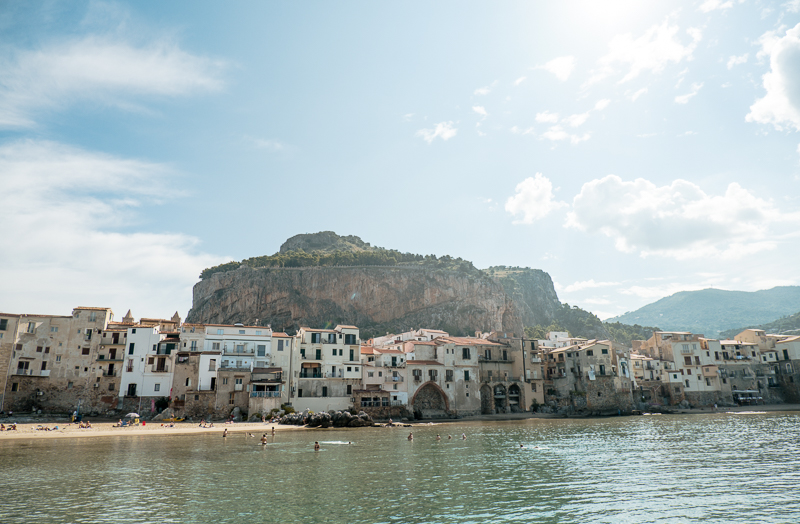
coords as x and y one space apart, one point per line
310 364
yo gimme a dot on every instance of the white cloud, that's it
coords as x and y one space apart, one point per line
576 120
587 284
73 218
100 70
518 131
557 133
736 60
683 99
533 200
547 117
485 90
652 51
443 130
637 94
561 67
519 80
602 104
661 291
711 5
792 6
480 110
268 144
781 105
679 220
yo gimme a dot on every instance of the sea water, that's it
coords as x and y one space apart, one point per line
678 468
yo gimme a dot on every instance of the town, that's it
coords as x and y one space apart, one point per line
90 363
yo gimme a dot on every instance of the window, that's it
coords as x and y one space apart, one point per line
340 352
14 386
69 385
687 382
465 353
352 355
188 382
130 349
688 371
318 354
225 381
299 393
316 338
212 364
432 374
231 398
241 331
238 381
157 387
349 389
3 324
44 365
448 375
58 358
38 349
280 345
215 346
589 352
220 332
53 329
602 369
85 351
370 374
604 351
47 349
324 391
533 388
258 332
111 387
697 361
193 345
261 350
197 397
31 327
687 361
349 369
334 352
350 340
466 375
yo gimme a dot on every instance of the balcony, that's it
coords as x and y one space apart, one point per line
109 359
497 359
155 368
311 375
32 372
263 394
392 378
238 387
107 374
238 351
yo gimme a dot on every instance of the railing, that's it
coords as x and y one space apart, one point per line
494 359
235 351
502 378
206 388
109 359
392 378
233 367
155 369
111 374
311 375
267 394
374 404
32 372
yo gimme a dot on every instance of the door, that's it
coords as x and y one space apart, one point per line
213 383
111 370
131 390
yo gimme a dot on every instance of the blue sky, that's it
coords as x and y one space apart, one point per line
629 149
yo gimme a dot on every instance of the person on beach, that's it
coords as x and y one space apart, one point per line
411 436
316 446
225 433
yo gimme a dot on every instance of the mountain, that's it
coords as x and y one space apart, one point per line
323 279
788 325
711 311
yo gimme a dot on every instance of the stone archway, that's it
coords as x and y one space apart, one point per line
500 398
487 402
514 399
430 402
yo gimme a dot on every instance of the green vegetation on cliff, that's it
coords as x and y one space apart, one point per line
377 257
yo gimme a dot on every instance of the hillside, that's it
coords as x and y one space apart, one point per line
711 311
788 325
323 279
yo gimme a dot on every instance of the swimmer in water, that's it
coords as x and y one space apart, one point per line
316 446
411 436
438 437
463 436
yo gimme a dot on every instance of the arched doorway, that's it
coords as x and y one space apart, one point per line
513 398
500 398
487 403
430 402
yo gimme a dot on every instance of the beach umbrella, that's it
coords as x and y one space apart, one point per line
134 415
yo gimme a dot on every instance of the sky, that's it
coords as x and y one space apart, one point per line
630 149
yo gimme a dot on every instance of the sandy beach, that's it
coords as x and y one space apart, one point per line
28 430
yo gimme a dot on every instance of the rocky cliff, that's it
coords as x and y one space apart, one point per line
531 290
375 298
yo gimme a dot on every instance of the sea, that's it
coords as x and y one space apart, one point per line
724 467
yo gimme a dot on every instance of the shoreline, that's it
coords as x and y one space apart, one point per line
27 430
